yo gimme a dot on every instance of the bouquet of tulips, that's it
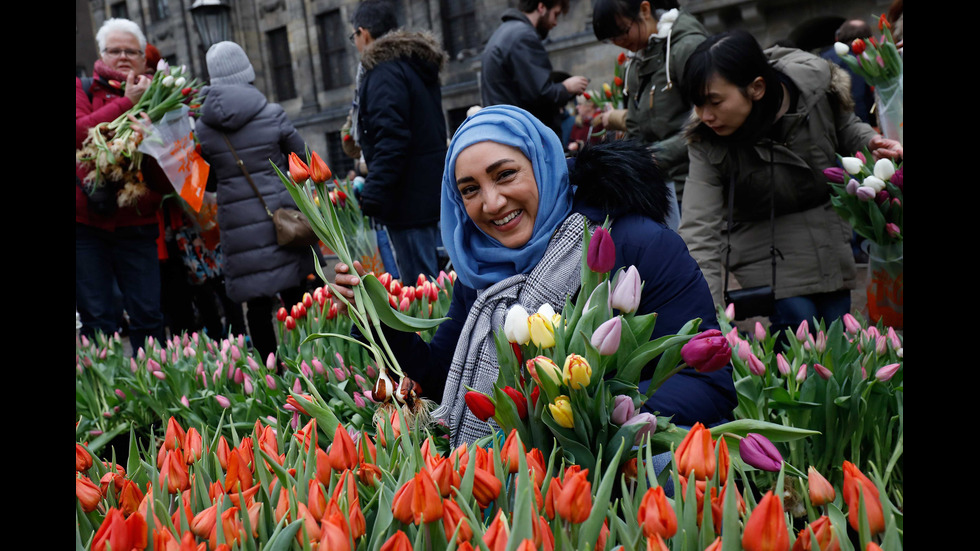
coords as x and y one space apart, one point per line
843 382
574 377
611 96
869 195
111 153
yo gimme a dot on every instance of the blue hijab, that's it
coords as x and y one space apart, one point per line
480 260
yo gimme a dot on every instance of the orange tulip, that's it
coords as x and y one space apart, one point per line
88 493
527 545
204 522
575 503
366 451
857 486
535 464
398 542
319 171
443 473
715 545
307 434
699 488
498 533
821 490
766 528
696 453
174 437
342 455
486 487
544 538
358 524
298 170
655 515
368 473
822 532
193 446
316 502
121 533
418 500
551 497
237 477
509 452
230 525
657 543
872 546
723 461
129 497
718 505
452 518
223 451
174 469
333 534
83 460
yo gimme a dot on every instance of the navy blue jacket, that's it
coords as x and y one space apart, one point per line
402 131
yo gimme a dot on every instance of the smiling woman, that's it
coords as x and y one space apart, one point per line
513 216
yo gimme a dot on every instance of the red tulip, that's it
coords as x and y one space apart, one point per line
498 533
601 257
696 453
418 500
655 515
83 460
706 352
621 58
575 502
343 454
480 405
618 81
398 542
519 400
766 528
120 533
298 170
319 171
87 493
454 517
857 486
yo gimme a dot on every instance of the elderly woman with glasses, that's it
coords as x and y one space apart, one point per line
116 244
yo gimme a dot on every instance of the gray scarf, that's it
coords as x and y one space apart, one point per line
553 280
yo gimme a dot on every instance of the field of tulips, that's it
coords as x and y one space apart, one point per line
194 444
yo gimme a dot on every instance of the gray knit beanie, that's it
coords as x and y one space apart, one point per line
228 64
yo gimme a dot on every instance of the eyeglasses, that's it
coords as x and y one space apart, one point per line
353 34
116 52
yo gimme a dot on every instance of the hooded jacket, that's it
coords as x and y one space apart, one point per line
255 265
812 240
402 131
656 113
517 71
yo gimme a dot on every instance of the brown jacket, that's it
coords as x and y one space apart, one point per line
812 239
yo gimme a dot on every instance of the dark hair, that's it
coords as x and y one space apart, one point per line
736 57
606 12
377 16
527 6
620 177
851 29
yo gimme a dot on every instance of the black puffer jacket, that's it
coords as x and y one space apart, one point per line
402 129
255 265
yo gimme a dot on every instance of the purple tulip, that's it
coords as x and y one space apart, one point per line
706 352
626 295
606 337
834 174
824 373
852 187
898 178
222 401
756 366
623 410
865 193
882 197
649 423
893 229
756 450
887 372
601 255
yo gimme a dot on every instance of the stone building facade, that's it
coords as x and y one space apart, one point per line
304 60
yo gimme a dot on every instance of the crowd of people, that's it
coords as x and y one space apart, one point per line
712 167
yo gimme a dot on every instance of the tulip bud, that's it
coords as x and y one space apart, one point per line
887 372
519 400
516 326
803 331
824 373
480 405
298 170
179 82
766 527
893 229
884 169
841 49
852 187
706 352
623 410
561 410
730 311
183 400
834 174
852 165
543 366
601 255
874 183
541 330
757 451
821 343
626 295
577 373
821 490
851 324
782 365
270 382
607 336
756 366
222 401
319 172
649 423
168 81
760 332
893 339
801 374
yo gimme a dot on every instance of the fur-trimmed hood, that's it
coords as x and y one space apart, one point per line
814 77
422 49
618 178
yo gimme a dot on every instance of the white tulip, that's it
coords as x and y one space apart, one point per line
852 165
884 169
515 325
179 83
168 81
547 311
841 49
876 183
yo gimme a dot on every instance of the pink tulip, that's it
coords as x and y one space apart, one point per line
185 401
140 354
359 400
121 394
626 295
730 311
881 345
803 331
782 365
241 341
760 332
160 375
318 367
239 376
248 385
270 382
893 339
821 343
851 324
297 385
756 367
152 365
887 372
132 365
623 410
607 336
371 371
822 371
270 362
743 349
801 374
339 373
708 351
85 342
893 229
222 401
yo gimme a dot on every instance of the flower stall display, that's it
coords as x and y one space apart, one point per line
112 152
870 196
880 64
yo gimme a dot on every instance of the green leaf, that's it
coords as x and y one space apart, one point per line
589 533
392 318
772 431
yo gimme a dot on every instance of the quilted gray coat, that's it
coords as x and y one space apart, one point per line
255 265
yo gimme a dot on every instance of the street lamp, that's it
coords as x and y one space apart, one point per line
212 19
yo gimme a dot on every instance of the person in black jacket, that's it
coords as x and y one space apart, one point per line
516 68
401 130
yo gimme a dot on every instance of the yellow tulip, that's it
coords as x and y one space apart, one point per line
543 366
542 331
561 410
577 372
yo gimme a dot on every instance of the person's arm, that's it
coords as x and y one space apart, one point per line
532 72
704 218
86 116
386 108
